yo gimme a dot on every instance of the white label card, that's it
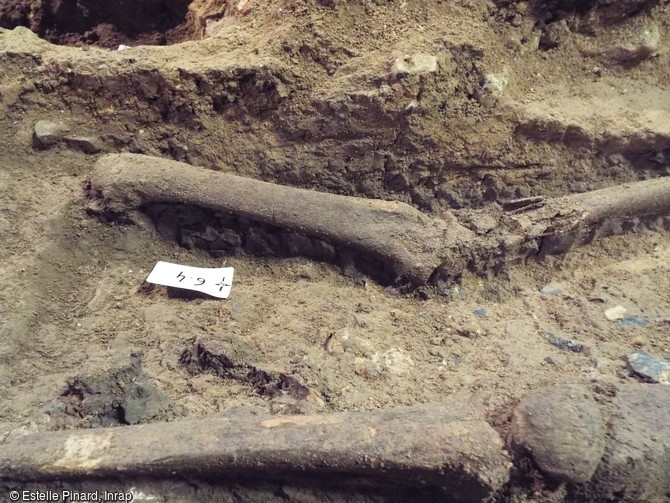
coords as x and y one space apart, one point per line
214 282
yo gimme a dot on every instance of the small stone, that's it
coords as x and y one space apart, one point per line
397 361
563 430
554 35
565 344
650 368
490 91
415 64
615 313
550 290
549 360
335 343
479 313
632 322
47 133
640 342
88 145
366 367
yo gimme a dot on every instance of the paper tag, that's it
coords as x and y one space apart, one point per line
214 282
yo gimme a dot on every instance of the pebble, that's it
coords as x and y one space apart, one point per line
48 133
565 344
479 313
415 64
554 35
639 341
550 290
397 361
366 367
491 90
615 313
632 322
88 145
338 341
650 368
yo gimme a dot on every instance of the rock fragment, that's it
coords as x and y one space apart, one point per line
366 367
415 64
563 430
565 344
615 313
551 290
649 368
47 133
632 322
554 35
87 144
397 361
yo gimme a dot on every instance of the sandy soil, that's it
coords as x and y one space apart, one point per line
516 99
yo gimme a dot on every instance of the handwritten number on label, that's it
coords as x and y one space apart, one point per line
181 276
201 280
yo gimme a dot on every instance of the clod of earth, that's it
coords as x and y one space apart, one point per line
422 446
410 246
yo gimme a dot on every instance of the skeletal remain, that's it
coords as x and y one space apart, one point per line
412 245
428 446
397 234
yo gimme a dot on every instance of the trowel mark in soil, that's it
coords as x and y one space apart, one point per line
109 24
269 384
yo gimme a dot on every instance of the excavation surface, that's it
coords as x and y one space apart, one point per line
449 107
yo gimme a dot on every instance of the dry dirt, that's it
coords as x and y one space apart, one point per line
444 105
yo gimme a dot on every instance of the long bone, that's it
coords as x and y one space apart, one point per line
424 446
411 244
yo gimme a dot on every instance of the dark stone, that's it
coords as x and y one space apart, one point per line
565 344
